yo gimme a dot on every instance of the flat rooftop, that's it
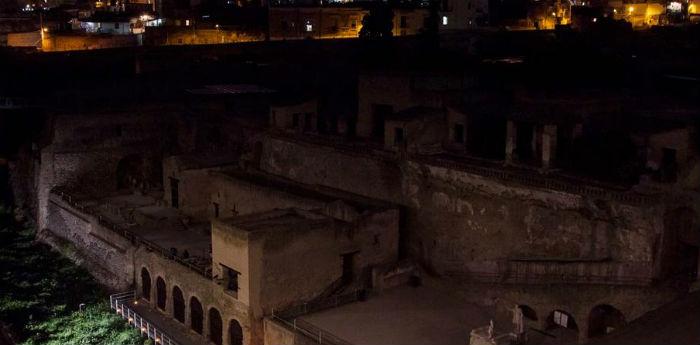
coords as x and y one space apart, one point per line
278 220
321 193
404 315
144 216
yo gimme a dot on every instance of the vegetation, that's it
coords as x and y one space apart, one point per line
41 293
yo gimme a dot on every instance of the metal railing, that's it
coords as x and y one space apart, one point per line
317 334
129 235
319 304
290 317
120 303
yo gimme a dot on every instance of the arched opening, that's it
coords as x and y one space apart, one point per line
528 313
604 319
137 172
215 327
145 284
128 174
196 315
235 333
562 325
161 294
178 305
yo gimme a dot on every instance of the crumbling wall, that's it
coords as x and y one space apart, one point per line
324 165
237 196
463 222
457 218
106 251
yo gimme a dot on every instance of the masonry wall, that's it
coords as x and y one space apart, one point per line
237 196
57 42
192 284
105 254
462 222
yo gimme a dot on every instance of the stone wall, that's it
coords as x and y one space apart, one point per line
103 248
61 42
192 284
459 221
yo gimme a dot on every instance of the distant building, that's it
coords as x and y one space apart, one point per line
460 14
112 23
336 22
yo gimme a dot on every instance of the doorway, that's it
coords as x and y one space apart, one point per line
174 192
348 267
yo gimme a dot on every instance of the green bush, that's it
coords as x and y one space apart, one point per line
94 325
40 292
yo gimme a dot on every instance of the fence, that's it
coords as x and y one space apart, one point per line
318 335
320 304
124 232
120 303
290 317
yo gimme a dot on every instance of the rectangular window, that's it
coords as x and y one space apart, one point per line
379 114
459 133
404 22
561 319
444 20
216 210
230 280
295 120
398 135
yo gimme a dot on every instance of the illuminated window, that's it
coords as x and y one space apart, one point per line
444 20
187 22
309 27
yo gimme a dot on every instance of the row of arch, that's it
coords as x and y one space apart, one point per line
215 334
602 319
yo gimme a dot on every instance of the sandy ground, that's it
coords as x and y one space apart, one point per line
404 316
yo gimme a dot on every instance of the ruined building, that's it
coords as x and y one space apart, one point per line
247 217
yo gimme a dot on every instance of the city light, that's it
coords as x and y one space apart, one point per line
675 6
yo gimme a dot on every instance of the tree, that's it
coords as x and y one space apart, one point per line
378 23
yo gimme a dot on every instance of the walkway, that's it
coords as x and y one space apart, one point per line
175 330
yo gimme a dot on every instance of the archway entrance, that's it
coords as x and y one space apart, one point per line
215 327
178 305
196 315
145 284
528 313
235 333
161 294
562 325
604 319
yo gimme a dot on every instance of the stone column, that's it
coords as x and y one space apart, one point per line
511 137
582 322
549 145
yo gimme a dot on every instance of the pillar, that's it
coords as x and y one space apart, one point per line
582 322
549 145
511 136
